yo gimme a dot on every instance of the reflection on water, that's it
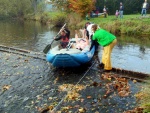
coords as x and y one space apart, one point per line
131 53
27 35
131 57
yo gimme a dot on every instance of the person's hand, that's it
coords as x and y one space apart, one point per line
76 36
75 31
86 38
62 29
54 37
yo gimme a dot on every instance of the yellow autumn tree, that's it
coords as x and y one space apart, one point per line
82 7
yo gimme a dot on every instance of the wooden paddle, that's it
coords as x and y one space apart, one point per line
48 47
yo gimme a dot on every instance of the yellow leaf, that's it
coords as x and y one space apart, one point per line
6 87
88 97
82 110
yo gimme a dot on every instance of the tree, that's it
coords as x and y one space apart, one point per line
130 6
14 7
82 7
4 10
38 6
61 5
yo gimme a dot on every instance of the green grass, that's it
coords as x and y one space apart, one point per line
144 97
130 25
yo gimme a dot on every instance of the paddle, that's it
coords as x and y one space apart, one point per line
47 48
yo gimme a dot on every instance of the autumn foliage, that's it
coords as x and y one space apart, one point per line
82 7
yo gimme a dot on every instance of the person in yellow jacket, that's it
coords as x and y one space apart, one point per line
108 41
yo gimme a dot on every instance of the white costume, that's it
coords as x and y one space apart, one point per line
89 29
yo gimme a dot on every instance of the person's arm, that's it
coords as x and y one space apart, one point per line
67 32
83 31
93 42
76 37
87 41
87 34
57 38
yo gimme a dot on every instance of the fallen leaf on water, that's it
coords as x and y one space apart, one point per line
82 100
82 110
88 97
58 112
46 109
135 110
97 112
123 93
134 81
72 95
26 60
64 108
38 97
55 81
6 87
72 90
105 96
50 98
76 106
95 84
39 108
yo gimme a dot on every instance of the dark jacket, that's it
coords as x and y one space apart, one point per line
64 37
121 8
147 6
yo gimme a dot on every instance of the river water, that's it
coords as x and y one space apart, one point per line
131 53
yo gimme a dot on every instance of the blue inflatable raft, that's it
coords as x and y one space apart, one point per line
69 57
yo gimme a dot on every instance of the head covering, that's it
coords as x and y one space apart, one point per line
86 24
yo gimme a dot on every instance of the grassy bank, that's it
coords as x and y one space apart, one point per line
144 97
54 18
131 25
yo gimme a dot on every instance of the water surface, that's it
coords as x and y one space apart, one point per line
131 53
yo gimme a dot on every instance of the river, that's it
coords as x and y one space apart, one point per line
131 53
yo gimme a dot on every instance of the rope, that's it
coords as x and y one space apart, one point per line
73 88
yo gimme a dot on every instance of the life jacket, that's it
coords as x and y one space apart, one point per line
64 39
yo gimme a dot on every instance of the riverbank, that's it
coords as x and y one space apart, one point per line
130 25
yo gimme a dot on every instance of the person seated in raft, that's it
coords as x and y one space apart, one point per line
81 43
64 37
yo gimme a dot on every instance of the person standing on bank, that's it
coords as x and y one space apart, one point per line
108 41
121 8
145 7
105 11
117 13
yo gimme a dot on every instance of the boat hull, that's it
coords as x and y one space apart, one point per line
70 60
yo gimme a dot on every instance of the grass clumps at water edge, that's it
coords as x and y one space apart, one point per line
144 97
130 25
